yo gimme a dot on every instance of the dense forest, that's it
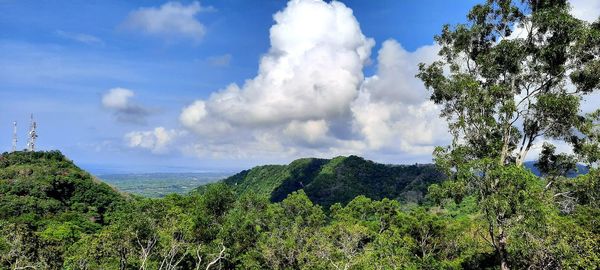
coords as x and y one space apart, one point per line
501 94
337 180
54 215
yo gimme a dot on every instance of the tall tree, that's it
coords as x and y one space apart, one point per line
515 73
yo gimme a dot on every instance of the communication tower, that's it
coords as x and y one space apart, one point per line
14 139
32 135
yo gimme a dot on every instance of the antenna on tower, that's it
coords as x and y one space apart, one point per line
14 139
32 135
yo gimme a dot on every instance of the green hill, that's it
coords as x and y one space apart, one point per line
47 183
341 179
46 204
53 215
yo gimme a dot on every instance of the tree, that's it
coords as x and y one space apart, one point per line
553 165
242 229
587 145
503 78
515 73
295 220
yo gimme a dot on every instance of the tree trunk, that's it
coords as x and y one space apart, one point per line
505 141
503 154
523 154
502 250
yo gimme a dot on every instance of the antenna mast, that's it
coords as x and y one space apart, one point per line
14 139
32 135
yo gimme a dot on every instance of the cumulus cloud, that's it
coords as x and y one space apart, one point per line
312 70
310 96
587 10
118 100
309 132
171 20
396 68
156 140
392 109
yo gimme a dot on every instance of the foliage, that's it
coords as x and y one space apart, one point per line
47 204
218 229
340 179
502 81
514 74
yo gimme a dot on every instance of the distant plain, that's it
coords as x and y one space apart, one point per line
157 185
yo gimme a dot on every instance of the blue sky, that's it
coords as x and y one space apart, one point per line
129 86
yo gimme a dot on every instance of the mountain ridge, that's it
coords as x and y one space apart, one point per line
336 180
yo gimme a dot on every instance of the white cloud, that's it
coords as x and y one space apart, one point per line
588 10
156 140
395 79
171 20
310 132
310 96
117 98
80 37
118 101
312 71
392 109
193 114
220 60
536 149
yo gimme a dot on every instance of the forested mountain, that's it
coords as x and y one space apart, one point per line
55 216
46 204
46 185
341 179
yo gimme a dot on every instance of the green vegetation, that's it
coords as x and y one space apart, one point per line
113 231
499 94
47 204
338 180
157 185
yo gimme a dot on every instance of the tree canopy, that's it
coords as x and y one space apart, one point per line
512 76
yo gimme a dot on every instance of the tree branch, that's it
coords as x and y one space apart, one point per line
216 259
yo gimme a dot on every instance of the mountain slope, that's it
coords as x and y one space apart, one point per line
33 183
46 204
341 179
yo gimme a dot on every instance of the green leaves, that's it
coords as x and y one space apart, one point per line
587 144
501 93
460 225
496 89
551 164
556 114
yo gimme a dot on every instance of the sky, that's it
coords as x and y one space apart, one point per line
164 86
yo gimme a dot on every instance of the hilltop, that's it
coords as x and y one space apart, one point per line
46 204
341 179
32 183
